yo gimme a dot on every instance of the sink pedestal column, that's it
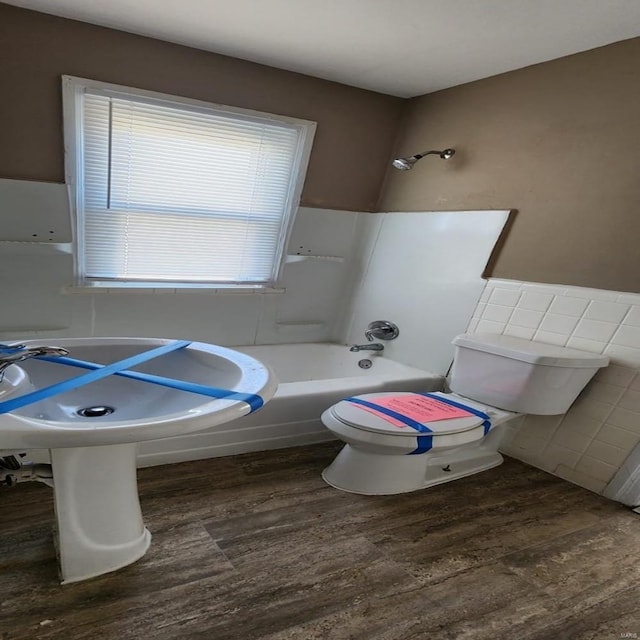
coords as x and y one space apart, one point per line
99 521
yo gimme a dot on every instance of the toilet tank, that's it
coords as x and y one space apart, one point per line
520 375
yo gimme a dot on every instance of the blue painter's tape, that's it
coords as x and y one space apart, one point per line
93 376
7 348
253 400
476 412
418 426
424 442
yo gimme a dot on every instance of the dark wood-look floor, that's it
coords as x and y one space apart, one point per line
258 547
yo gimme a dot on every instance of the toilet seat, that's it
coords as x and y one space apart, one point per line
361 417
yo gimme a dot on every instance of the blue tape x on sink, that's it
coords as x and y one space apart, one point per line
98 372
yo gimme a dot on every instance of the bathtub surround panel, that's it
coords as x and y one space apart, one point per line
336 260
317 277
312 377
35 255
423 271
307 309
183 315
36 212
31 285
558 142
366 236
591 442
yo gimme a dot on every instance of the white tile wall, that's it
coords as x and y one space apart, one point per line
591 442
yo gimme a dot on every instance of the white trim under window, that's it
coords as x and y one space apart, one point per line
169 191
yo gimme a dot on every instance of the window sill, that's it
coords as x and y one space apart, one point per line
128 289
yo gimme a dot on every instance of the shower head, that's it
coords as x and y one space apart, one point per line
404 164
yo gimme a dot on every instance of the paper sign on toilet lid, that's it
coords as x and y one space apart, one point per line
438 417
419 408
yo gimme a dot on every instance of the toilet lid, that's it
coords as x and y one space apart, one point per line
367 418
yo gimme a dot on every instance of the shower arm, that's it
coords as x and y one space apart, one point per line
432 152
407 163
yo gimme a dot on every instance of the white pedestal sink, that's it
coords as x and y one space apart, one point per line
99 521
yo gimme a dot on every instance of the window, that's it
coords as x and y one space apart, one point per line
176 192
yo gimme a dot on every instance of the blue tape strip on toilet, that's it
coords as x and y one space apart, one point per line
424 442
476 412
119 368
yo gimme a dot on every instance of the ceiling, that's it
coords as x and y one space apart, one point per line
399 47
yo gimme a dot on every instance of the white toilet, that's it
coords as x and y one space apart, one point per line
390 446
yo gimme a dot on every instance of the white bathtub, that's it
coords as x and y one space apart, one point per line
312 377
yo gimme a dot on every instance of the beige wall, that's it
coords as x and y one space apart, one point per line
355 133
559 142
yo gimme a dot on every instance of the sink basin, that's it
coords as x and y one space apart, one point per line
141 410
133 389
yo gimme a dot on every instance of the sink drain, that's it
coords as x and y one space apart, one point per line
95 412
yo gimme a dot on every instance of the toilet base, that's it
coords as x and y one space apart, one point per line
367 473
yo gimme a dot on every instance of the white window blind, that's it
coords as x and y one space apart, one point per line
171 192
